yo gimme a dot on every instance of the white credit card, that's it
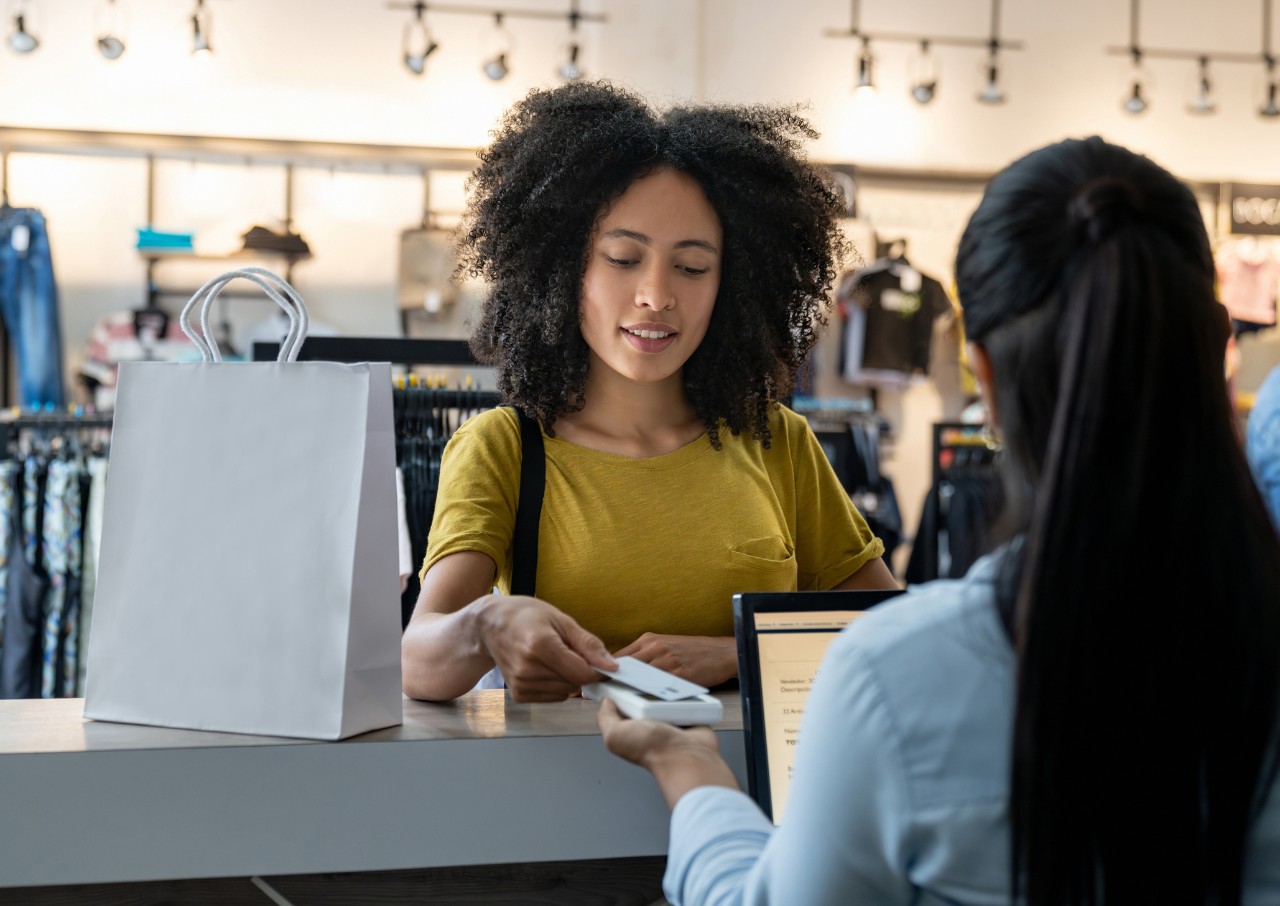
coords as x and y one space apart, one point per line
647 678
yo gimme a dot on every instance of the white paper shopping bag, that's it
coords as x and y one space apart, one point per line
248 576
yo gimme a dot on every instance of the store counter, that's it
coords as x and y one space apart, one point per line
481 780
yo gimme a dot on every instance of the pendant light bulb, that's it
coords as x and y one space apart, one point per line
866 83
991 92
496 68
1202 103
109 29
496 65
417 43
21 40
924 82
570 70
201 45
111 47
1269 108
1271 92
1135 101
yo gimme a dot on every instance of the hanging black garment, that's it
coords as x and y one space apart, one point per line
27 588
419 460
923 564
886 521
975 506
955 526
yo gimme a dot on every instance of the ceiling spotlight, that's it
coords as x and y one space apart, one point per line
110 44
496 68
1202 100
866 83
1271 93
110 47
496 65
1269 108
991 92
924 81
570 69
417 44
22 41
200 31
1135 101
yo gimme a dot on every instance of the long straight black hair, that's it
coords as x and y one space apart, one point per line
1144 604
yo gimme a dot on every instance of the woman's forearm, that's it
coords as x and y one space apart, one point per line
681 769
441 654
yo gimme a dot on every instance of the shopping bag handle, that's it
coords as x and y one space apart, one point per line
276 289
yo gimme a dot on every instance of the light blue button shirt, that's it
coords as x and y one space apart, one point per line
1263 442
901 775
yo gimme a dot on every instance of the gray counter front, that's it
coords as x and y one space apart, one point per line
481 780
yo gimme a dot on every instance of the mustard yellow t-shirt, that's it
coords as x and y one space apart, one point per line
628 546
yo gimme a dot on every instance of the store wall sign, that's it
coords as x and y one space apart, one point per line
1255 209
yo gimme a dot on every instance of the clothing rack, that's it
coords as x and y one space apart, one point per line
51 506
961 445
374 349
49 422
448 397
962 506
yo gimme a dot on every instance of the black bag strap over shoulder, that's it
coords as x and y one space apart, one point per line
533 479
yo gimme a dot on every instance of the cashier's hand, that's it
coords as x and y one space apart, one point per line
544 655
679 759
705 660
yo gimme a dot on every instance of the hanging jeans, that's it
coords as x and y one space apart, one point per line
8 502
60 557
29 305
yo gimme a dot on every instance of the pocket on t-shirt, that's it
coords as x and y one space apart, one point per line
764 564
772 554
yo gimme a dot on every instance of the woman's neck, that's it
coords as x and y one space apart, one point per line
631 418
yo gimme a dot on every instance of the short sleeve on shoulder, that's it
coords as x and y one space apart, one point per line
833 540
479 487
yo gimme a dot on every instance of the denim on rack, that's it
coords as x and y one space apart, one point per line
8 500
29 305
60 554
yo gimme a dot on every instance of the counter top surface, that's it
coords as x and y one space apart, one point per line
58 725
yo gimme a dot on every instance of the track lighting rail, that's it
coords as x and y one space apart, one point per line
990 42
1213 56
506 12
905 38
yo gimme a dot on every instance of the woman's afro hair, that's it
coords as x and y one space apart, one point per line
560 157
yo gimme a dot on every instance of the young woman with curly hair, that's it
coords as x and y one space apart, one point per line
654 281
